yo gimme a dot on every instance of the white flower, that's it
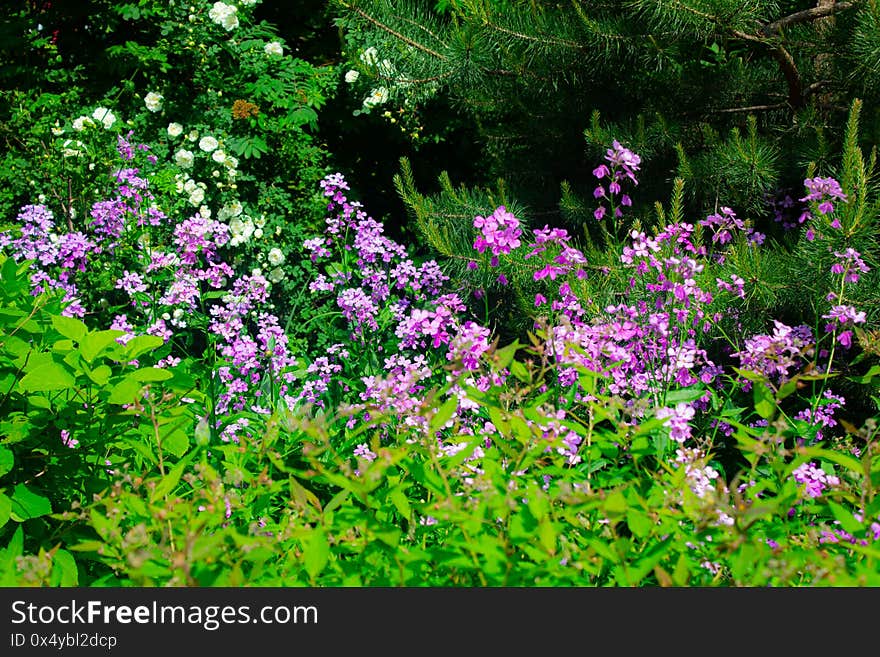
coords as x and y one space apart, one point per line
197 196
193 135
208 143
175 129
219 156
248 3
57 130
153 101
351 76
258 233
190 186
82 122
183 158
276 275
276 257
241 229
72 148
369 56
205 211
231 162
273 48
230 210
377 96
105 116
224 15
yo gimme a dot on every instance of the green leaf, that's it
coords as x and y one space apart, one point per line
141 345
850 463
176 443
639 523
7 460
443 414
845 518
5 509
125 391
615 503
91 345
8 557
316 552
400 501
99 375
69 327
27 504
64 572
47 377
147 374
170 480
765 403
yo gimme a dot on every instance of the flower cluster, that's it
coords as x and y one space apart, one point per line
499 232
397 308
224 15
624 165
814 479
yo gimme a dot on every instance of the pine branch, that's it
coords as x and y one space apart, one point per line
393 32
807 15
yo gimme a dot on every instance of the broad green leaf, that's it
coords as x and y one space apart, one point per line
547 535
765 403
615 503
69 327
316 551
93 344
639 523
845 518
9 556
148 374
7 460
5 509
176 443
400 501
27 504
64 572
142 344
100 374
125 391
848 462
47 377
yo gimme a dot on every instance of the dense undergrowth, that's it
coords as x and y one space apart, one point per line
202 384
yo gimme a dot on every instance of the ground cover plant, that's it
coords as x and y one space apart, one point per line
219 368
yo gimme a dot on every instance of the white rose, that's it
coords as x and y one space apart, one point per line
219 156
208 143
273 48
197 196
184 158
377 96
224 15
175 129
351 76
105 116
276 275
153 101
258 233
193 135
276 257
82 122
190 186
